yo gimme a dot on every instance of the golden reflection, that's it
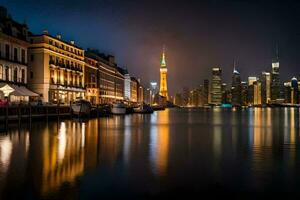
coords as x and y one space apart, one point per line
90 139
217 134
159 143
110 140
6 147
62 156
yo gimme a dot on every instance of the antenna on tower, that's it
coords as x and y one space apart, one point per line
277 51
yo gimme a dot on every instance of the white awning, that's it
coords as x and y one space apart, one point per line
11 89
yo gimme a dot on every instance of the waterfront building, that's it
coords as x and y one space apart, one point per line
257 93
140 93
226 94
127 86
91 80
13 59
163 90
216 86
205 92
287 92
275 79
244 93
185 96
178 99
56 68
111 77
265 88
294 91
236 88
250 93
134 89
195 98
147 96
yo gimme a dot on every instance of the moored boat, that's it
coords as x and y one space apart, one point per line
118 109
143 108
81 107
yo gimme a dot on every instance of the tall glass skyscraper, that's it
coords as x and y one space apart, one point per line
236 88
275 79
216 86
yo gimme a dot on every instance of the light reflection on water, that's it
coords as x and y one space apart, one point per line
252 149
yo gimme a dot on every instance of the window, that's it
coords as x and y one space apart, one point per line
23 76
23 56
0 50
7 73
1 72
16 75
31 57
31 75
16 54
7 51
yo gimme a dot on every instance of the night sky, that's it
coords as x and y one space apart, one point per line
197 36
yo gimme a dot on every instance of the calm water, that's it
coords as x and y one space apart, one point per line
173 153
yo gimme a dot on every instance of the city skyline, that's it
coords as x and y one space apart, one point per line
209 38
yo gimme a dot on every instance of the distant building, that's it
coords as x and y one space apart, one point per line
91 80
127 86
185 96
134 89
294 91
226 94
178 99
257 93
216 86
265 88
163 89
251 81
287 92
244 93
111 77
275 79
206 92
236 88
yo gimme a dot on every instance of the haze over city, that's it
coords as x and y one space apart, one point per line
197 35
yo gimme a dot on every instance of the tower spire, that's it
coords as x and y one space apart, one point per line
163 59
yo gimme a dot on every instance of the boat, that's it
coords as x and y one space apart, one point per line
143 108
81 107
118 109
158 107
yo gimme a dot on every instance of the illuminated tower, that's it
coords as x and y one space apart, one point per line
163 90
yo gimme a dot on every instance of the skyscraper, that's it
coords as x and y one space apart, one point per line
275 80
216 86
265 88
205 92
236 88
257 93
163 90
251 81
294 91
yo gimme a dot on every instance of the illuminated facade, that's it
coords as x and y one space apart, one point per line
257 93
134 89
110 77
56 69
127 87
275 79
236 88
163 90
265 88
216 86
13 59
91 80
